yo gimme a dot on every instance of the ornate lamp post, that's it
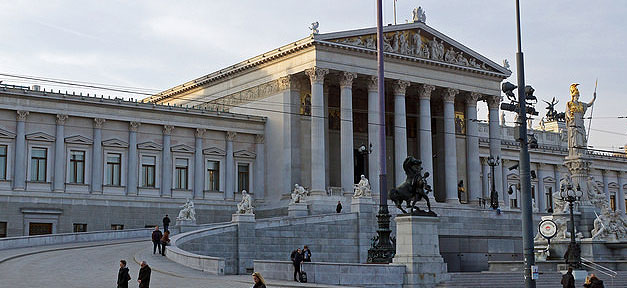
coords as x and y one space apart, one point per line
494 195
574 251
364 151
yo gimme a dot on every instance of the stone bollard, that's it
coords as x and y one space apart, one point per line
245 241
418 248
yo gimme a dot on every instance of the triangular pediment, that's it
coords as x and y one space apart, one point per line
115 143
78 139
149 145
416 40
182 148
40 136
213 151
244 154
6 134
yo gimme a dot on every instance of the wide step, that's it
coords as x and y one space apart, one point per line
516 280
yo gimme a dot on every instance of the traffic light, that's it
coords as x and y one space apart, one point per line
508 89
529 93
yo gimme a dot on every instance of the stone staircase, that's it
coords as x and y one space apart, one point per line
516 280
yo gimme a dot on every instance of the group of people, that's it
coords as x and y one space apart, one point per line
592 281
160 240
143 279
299 256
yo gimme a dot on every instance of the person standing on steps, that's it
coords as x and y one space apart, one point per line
297 258
568 280
166 223
144 275
156 240
123 276
338 208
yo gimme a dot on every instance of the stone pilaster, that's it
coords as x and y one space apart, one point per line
620 198
19 168
485 179
541 199
495 141
133 166
346 131
59 154
260 168
166 175
291 167
426 149
374 168
400 130
318 155
230 167
198 164
450 146
97 157
473 166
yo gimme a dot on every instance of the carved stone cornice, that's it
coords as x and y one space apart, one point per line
168 129
133 126
199 132
260 138
230 135
449 95
61 119
373 83
289 82
21 115
98 122
425 91
400 87
472 99
316 74
493 101
346 79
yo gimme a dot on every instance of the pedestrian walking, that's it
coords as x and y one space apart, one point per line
306 254
258 280
297 258
165 241
594 282
338 208
166 223
568 280
123 276
156 240
144 275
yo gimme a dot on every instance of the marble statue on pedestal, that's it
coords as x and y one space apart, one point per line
575 111
246 205
299 194
188 212
362 189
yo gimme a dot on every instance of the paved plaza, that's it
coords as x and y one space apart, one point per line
96 265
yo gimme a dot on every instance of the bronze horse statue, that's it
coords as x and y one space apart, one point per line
414 189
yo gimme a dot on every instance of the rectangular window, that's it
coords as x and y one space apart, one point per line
3 229
38 164
114 164
180 181
117 227
77 167
549 198
3 162
242 177
80 227
148 171
213 176
613 202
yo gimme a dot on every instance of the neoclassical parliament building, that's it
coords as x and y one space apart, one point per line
304 113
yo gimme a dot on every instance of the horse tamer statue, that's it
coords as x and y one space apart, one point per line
414 189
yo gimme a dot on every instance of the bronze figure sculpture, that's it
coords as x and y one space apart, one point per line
414 189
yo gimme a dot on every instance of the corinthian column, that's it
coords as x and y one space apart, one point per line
198 164
318 155
260 169
450 149
346 130
426 149
166 174
374 168
290 170
473 164
230 166
133 173
495 141
400 130
59 154
19 169
96 162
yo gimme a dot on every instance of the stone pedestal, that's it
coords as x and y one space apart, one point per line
182 226
365 208
245 241
418 248
323 204
297 209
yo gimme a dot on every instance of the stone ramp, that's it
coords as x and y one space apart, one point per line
516 280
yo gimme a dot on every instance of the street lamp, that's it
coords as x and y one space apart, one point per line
494 195
574 251
364 151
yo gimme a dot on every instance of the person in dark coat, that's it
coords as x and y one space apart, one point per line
166 223
338 208
165 241
297 258
306 254
144 275
594 282
156 240
123 276
568 280
259 281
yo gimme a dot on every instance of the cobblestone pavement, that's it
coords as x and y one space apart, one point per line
96 265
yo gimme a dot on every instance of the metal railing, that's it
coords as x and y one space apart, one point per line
600 268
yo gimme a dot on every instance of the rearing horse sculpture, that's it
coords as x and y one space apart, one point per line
414 189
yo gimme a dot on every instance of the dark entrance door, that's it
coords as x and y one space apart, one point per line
361 165
39 228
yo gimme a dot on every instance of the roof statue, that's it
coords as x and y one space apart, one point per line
419 15
575 111
314 28
506 64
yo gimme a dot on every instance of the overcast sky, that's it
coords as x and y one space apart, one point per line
158 44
